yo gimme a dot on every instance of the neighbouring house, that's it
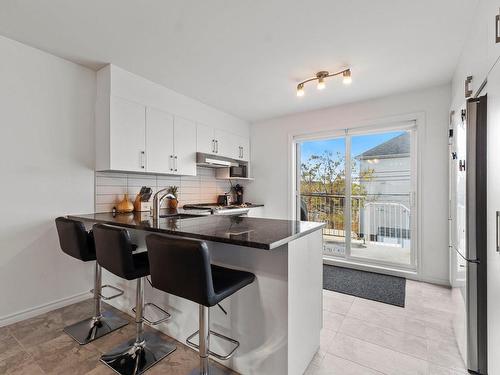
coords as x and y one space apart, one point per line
386 178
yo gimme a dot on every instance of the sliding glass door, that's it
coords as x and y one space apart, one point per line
323 190
362 185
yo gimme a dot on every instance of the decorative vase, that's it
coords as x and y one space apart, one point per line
173 203
125 206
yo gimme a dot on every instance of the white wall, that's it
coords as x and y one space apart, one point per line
46 164
270 160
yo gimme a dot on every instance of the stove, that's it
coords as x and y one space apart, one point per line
217 209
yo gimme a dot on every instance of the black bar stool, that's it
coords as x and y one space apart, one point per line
182 267
115 253
78 243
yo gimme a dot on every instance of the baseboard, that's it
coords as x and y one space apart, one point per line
433 280
42 309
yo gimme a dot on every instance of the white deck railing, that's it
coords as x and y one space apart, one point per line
387 220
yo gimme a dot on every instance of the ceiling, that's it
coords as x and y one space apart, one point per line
245 57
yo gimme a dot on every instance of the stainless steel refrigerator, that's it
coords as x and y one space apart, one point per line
469 242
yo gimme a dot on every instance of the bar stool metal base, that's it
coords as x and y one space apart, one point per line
223 357
211 370
91 329
132 358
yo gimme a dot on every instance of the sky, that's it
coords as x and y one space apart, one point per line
359 144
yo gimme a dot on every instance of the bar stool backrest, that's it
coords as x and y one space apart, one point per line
181 267
75 240
114 250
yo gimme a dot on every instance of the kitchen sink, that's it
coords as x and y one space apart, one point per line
179 216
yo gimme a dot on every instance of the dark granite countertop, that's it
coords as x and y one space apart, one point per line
244 231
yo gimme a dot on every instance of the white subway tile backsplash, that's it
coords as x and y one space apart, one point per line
107 198
113 189
139 182
110 181
203 188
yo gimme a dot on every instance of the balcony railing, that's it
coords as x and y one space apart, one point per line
382 218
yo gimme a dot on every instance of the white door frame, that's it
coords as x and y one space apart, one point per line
372 126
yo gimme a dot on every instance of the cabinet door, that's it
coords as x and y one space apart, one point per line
159 141
205 139
226 144
184 147
127 135
493 23
243 148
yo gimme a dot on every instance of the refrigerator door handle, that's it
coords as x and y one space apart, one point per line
498 231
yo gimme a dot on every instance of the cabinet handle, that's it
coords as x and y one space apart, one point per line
171 162
175 160
497 26
241 152
498 231
143 164
216 146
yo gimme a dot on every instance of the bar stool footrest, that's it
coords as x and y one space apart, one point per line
214 354
107 298
166 314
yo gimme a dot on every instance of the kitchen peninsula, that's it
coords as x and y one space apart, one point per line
277 319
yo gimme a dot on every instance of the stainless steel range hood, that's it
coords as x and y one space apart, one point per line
214 161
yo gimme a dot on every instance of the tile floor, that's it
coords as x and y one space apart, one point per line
359 337
365 337
38 346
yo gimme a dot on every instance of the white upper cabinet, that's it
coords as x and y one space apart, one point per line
214 141
144 139
127 135
184 138
205 139
141 126
224 143
170 143
159 141
492 12
243 149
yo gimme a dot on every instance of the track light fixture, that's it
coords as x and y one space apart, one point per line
321 76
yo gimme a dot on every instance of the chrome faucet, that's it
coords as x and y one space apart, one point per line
158 199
